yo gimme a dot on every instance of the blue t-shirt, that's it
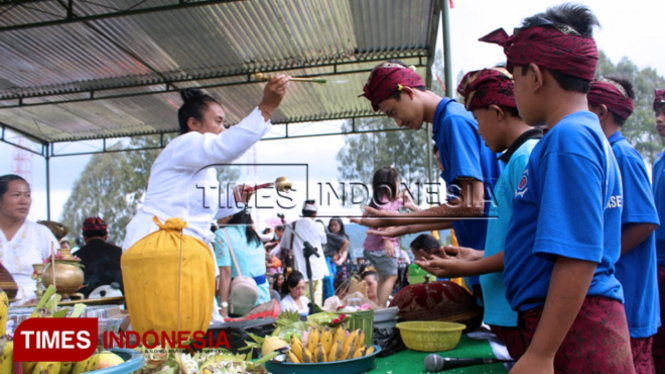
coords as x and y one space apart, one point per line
497 309
659 198
568 203
636 270
463 153
250 257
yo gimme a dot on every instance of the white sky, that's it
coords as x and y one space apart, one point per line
629 29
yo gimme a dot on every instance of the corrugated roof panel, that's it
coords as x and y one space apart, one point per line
31 12
212 44
56 55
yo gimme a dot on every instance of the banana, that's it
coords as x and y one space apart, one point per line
340 334
313 340
347 351
91 364
320 353
66 367
6 355
47 368
291 357
351 338
369 350
359 352
360 339
28 367
326 339
4 310
307 356
296 347
335 351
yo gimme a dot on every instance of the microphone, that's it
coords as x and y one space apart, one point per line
435 363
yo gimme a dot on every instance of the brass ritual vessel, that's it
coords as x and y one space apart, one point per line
68 274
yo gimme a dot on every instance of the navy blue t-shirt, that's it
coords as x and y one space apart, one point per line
568 204
636 270
463 153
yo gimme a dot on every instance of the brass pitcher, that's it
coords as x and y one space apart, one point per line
68 275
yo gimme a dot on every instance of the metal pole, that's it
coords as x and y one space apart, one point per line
48 182
447 58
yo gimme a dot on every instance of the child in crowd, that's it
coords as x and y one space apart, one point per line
562 242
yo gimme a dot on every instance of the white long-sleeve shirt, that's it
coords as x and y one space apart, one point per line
183 180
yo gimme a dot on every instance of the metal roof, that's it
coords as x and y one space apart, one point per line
87 69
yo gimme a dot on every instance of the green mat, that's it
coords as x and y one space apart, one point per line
413 362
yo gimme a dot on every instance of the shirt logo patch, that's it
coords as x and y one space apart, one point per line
522 186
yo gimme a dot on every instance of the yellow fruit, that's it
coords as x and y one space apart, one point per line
359 352
6 355
90 364
313 340
347 351
66 367
28 367
296 347
369 350
155 276
340 334
271 344
307 356
360 339
291 357
351 338
320 353
107 359
4 310
326 339
335 351
47 368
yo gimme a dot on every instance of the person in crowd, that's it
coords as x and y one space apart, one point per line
295 299
182 171
611 99
379 250
22 242
563 239
276 287
336 253
238 235
658 173
308 230
100 260
469 168
488 94
371 279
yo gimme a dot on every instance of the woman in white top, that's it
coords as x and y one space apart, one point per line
183 180
22 242
295 301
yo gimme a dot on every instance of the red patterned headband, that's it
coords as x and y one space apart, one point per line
388 78
613 95
659 99
552 46
486 87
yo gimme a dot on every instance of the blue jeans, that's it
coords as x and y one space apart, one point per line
329 281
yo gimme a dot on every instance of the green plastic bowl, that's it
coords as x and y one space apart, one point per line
430 336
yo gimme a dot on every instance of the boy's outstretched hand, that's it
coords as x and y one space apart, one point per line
443 267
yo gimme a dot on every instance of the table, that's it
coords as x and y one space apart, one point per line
413 362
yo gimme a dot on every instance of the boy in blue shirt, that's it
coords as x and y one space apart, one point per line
563 240
488 94
470 169
659 197
611 99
